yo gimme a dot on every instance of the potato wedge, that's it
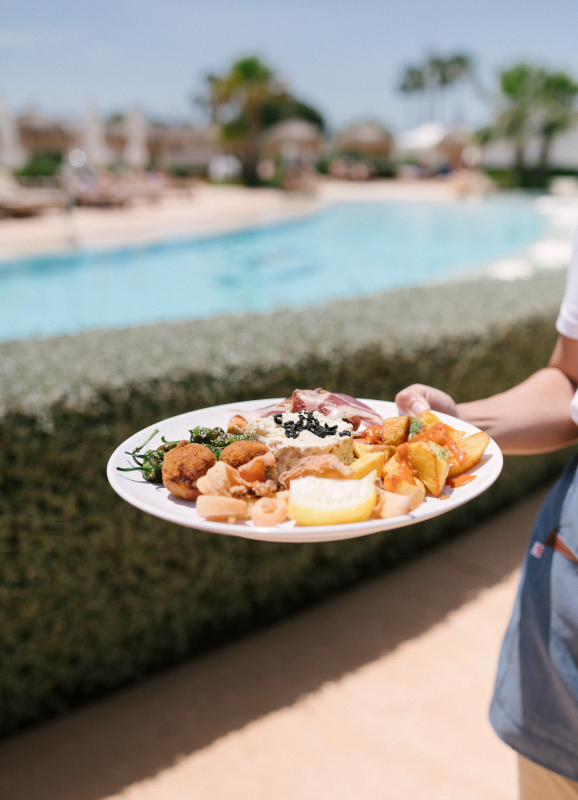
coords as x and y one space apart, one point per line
393 466
431 461
368 462
361 448
395 471
395 430
473 448
429 418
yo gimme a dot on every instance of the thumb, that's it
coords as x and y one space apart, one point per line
413 400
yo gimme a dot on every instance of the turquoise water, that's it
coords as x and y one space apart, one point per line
348 250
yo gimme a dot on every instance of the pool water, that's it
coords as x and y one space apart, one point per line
347 250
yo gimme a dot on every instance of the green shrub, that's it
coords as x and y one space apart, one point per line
95 594
531 178
41 165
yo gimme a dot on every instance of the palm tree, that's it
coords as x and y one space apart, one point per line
521 94
235 100
459 66
413 81
534 102
246 100
458 69
559 92
435 76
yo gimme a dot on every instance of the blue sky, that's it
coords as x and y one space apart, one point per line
344 57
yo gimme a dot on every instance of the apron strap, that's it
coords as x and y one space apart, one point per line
557 544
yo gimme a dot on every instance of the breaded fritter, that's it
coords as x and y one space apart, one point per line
238 453
183 466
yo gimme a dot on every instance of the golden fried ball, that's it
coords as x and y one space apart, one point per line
238 453
183 466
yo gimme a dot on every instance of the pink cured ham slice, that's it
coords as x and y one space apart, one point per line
349 408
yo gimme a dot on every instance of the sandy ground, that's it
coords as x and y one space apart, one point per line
380 693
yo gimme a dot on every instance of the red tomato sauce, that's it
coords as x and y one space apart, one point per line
438 433
460 480
373 434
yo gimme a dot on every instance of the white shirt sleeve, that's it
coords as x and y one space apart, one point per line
567 322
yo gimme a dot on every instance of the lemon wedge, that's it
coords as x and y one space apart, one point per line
327 501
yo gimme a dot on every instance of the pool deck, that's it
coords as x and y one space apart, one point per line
380 693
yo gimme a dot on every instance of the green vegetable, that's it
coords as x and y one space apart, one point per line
415 426
150 463
215 438
440 451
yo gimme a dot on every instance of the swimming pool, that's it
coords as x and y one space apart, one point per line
347 250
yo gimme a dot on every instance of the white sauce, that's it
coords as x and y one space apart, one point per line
288 452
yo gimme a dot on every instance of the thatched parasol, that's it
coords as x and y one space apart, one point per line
365 139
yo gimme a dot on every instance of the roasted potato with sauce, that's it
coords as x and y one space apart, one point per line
361 448
399 479
395 430
428 418
395 471
431 462
474 447
366 463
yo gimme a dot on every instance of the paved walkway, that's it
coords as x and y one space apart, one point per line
378 694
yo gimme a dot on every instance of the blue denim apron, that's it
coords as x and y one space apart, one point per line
535 703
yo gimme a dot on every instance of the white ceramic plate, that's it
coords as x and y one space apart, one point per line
156 500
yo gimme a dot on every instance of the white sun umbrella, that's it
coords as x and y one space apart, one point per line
93 140
135 152
12 154
425 137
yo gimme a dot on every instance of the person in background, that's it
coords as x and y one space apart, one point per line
535 704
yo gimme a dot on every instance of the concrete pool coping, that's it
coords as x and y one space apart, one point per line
380 692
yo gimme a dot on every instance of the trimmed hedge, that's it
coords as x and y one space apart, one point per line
95 594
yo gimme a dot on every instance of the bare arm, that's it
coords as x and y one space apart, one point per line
532 417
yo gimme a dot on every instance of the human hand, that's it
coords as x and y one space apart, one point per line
417 398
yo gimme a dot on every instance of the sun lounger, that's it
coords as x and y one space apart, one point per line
19 201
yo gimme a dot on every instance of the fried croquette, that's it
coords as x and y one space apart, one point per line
183 466
238 453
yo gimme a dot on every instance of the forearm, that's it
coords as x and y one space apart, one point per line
532 417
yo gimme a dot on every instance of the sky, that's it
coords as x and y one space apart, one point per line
343 57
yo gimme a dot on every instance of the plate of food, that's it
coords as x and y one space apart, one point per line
313 467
